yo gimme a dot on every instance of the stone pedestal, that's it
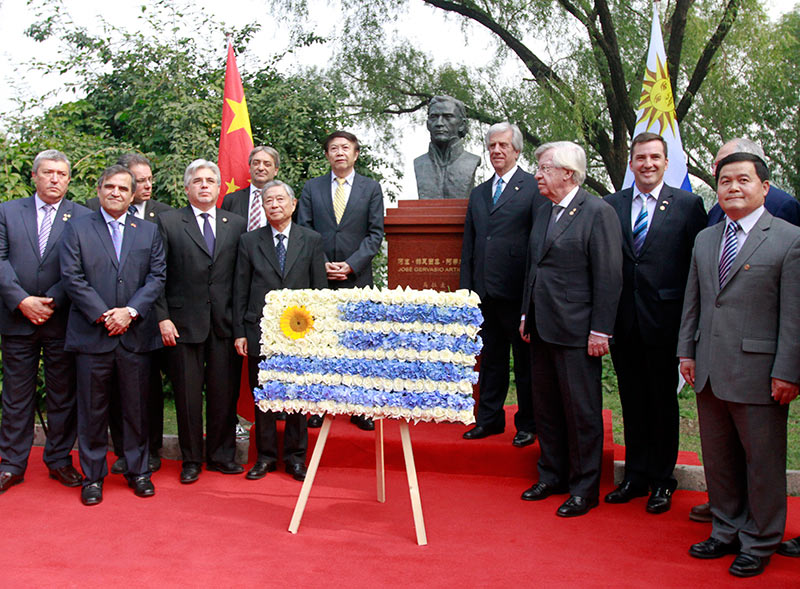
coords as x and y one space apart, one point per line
424 239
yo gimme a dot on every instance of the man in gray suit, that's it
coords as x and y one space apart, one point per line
33 321
346 208
572 288
739 344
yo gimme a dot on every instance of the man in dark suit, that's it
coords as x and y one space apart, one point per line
264 162
347 210
783 206
33 320
281 255
659 223
739 343
142 207
195 316
496 231
572 287
113 270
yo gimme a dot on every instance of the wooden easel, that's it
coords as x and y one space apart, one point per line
411 473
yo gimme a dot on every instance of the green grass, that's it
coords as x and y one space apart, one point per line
689 429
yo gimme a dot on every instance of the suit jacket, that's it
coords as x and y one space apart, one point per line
748 331
653 282
496 237
574 278
258 272
358 237
152 208
198 295
238 202
96 281
779 203
24 272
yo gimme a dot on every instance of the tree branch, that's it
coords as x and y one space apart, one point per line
676 31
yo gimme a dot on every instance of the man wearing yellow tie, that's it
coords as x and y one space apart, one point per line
346 208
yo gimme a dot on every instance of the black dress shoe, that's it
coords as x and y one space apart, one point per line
701 513
363 422
92 494
8 480
315 421
713 548
67 476
190 472
142 486
479 431
225 467
297 470
523 439
154 461
790 547
660 500
624 493
120 466
575 506
747 565
541 491
260 470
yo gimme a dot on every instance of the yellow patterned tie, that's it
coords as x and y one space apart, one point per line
339 202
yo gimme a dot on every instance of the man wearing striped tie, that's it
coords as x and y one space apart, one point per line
264 162
346 208
738 346
33 320
659 224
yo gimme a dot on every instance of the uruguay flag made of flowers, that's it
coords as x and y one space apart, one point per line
381 353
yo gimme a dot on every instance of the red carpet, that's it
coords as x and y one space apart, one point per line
227 531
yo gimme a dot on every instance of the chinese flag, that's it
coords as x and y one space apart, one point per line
235 144
235 136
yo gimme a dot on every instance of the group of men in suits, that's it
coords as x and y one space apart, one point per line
97 291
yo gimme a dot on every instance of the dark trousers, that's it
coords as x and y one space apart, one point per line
744 453
500 334
568 405
155 407
295 433
215 364
97 375
20 370
648 382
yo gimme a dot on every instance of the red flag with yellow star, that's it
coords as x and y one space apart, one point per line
235 136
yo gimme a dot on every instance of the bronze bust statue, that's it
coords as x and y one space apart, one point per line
446 171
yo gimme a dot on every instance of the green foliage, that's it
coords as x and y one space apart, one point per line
158 91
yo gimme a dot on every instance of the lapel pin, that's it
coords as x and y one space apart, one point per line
665 202
573 211
133 224
66 217
747 266
663 208
224 219
516 188
152 214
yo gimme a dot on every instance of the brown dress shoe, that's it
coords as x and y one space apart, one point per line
701 513
67 476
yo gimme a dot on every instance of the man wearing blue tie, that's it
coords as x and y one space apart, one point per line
113 269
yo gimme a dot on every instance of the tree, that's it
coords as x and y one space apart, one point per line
585 85
159 91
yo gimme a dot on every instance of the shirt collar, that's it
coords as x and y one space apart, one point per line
568 199
747 222
40 203
655 193
108 218
284 232
508 175
212 212
347 180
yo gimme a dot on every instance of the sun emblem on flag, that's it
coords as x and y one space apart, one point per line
657 104
296 322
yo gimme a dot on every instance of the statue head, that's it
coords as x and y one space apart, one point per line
447 120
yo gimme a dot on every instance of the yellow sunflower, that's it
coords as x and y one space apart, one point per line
296 322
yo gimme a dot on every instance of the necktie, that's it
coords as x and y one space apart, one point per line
498 191
254 216
640 226
133 210
116 237
280 249
339 202
47 225
553 220
208 233
729 250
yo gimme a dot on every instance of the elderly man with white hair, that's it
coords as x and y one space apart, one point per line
496 230
572 288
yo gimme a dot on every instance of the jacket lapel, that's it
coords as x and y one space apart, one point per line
326 196
660 214
294 248
567 217
105 237
509 190
223 232
130 235
757 236
193 229
355 193
59 221
29 221
267 246
149 213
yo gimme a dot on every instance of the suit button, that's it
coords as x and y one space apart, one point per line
718 305
488 238
211 266
208 301
119 280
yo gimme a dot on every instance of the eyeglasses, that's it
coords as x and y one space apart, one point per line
545 169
